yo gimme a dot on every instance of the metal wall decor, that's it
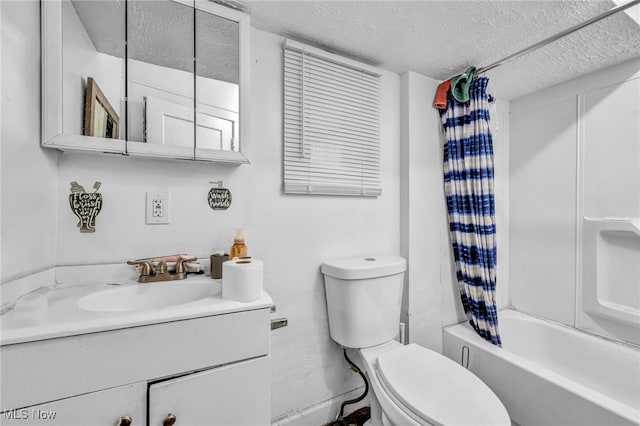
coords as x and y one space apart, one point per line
219 198
85 205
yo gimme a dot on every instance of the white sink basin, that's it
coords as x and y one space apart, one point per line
148 296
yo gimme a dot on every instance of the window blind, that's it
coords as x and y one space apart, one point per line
331 124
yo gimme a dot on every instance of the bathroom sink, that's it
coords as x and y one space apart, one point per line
147 296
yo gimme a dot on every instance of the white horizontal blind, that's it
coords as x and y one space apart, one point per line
331 124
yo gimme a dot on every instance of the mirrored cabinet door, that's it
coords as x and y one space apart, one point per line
217 82
222 82
83 75
155 78
160 77
93 51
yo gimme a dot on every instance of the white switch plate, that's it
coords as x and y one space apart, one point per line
157 211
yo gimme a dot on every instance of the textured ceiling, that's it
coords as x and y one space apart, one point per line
441 38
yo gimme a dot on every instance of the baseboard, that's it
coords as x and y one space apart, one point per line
321 413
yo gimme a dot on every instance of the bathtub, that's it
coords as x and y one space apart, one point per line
549 374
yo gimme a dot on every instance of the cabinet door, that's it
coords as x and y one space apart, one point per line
234 394
102 408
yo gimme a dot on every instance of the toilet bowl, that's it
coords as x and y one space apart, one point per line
417 386
410 384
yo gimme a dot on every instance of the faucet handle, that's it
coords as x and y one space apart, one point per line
161 267
146 270
181 261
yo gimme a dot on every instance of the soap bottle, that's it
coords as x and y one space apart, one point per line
238 249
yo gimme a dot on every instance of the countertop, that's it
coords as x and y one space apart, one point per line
52 311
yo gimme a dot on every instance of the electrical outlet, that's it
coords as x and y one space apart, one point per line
157 208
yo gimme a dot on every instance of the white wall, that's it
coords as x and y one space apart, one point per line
29 173
432 299
292 234
423 210
547 131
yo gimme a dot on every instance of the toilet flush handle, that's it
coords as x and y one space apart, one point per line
279 323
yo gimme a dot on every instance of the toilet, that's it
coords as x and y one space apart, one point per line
410 384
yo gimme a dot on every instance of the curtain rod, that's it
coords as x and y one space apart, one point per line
559 35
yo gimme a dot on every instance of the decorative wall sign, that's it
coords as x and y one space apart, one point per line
85 206
219 198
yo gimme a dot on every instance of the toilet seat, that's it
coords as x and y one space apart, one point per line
433 389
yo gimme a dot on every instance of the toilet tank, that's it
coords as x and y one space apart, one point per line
364 295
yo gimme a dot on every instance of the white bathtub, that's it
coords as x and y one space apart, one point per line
548 374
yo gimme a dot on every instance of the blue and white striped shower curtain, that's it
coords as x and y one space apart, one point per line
468 186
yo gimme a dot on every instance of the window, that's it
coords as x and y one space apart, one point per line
331 124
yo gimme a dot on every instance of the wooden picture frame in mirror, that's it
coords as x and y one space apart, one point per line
100 119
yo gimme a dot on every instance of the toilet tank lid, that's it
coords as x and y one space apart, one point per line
363 267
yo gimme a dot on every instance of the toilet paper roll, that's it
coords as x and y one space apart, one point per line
242 279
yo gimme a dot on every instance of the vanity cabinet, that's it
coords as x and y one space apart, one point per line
233 394
212 370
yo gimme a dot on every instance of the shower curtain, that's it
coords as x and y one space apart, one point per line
468 186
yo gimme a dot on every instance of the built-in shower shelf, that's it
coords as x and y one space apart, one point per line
611 256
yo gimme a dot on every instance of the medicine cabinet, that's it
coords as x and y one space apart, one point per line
153 78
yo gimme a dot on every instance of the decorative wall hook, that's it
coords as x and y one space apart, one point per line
219 198
85 206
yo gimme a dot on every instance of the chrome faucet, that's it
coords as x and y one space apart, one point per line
161 273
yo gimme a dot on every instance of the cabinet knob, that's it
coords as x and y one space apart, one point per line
124 421
169 420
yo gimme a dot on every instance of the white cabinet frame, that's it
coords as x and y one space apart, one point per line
52 95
